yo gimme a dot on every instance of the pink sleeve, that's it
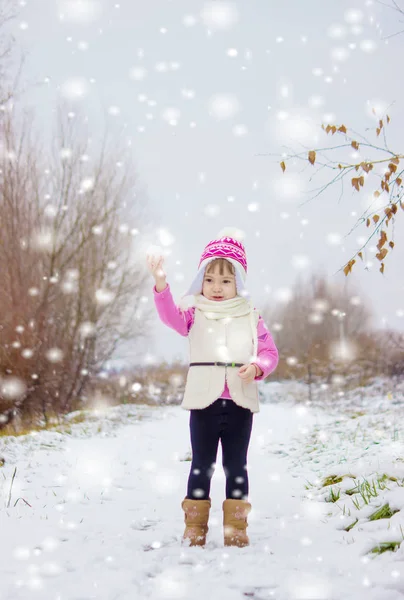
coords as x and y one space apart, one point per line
170 314
267 352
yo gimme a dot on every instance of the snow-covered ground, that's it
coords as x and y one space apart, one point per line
103 519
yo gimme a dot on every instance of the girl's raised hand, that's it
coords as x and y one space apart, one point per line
155 266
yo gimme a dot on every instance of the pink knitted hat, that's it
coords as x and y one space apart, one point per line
227 245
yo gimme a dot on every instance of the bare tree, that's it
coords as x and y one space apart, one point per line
318 330
72 287
9 77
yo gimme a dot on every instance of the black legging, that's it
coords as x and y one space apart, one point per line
231 424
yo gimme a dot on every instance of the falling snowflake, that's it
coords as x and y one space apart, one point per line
114 110
284 295
315 318
316 101
87 329
12 388
219 15
368 45
343 351
240 130
165 237
87 184
340 54
300 261
43 240
75 88
104 297
222 106
299 128
54 355
80 11
65 153
353 16
317 71
288 187
188 94
212 210
337 31
137 73
334 239
189 20
171 115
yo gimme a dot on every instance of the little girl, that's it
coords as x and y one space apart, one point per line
230 350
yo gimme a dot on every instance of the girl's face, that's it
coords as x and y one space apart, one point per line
219 284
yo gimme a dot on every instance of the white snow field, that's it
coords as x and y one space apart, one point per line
103 519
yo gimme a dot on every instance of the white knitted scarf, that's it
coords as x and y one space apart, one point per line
222 309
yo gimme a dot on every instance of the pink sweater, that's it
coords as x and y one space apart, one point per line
182 321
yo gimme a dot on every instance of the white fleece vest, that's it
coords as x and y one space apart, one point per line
219 340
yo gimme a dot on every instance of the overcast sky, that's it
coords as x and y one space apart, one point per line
205 89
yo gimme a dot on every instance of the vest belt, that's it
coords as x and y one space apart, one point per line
215 364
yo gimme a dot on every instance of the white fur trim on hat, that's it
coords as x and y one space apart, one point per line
232 232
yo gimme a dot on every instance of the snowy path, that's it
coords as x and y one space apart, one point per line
106 521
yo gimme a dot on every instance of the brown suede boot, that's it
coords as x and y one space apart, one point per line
235 524
196 521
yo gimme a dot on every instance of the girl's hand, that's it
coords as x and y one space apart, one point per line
155 266
247 373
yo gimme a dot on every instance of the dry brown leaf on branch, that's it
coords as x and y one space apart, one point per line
399 181
388 119
360 255
375 218
382 254
367 222
395 160
355 183
342 129
283 166
378 132
376 194
312 157
382 240
355 145
392 167
366 167
391 244
348 266
381 268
